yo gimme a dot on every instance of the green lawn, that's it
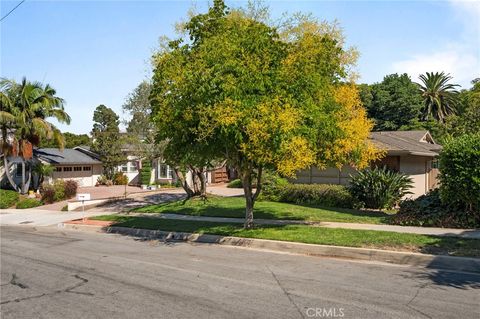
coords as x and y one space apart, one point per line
235 207
312 235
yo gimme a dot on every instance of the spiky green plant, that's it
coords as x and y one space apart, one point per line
379 188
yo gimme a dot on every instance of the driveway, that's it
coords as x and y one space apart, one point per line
159 196
52 273
100 192
51 214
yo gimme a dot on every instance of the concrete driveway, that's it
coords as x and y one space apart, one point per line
51 215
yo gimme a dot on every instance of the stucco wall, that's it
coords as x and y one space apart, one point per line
415 168
83 178
327 176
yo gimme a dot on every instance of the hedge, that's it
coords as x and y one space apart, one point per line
315 194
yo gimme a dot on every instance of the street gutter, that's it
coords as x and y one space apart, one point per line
465 264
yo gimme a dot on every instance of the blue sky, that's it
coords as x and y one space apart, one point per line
96 52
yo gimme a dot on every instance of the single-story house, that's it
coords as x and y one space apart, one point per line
78 164
413 153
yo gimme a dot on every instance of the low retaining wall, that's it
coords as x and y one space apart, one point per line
77 205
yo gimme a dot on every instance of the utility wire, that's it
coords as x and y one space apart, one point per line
18 5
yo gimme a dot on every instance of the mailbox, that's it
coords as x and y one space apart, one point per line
83 197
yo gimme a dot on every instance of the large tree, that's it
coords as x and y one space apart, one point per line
107 140
394 104
467 119
25 110
141 131
439 96
71 140
259 96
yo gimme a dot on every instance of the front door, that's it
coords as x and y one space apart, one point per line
432 174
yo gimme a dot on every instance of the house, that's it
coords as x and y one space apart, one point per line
78 164
413 153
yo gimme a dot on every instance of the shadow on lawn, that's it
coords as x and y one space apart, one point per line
350 211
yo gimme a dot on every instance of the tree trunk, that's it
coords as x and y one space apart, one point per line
29 179
183 181
203 183
249 200
22 187
250 197
9 175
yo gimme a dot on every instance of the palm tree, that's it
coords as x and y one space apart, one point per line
42 171
24 123
439 96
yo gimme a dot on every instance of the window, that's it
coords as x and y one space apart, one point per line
164 171
19 170
87 168
77 168
58 169
124 168
67 169
132 167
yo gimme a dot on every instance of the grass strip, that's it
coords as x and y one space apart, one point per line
437 245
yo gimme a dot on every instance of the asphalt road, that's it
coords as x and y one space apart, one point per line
53 273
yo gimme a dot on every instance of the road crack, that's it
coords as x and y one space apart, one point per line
285 292
14 282
82 282
408 304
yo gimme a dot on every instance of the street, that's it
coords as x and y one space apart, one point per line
48 272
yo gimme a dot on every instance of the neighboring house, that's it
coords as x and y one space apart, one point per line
77 164
413 153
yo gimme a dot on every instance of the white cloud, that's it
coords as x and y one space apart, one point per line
460 58
462 64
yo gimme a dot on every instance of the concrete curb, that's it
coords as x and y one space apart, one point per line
395 257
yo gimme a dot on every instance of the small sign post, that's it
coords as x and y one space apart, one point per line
83 197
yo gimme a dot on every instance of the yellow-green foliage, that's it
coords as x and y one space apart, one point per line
259 96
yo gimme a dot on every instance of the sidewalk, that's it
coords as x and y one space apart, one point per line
454 232
39 217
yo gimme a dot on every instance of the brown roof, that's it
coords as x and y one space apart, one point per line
418 143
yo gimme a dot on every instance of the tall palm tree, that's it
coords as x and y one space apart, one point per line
25 123
439 96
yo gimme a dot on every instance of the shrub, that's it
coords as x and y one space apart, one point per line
236 183
28 203
165 184
59 188
48 193
272 185
145 173
428 210
103 180
120 179
177 184
315 194
70 188
7 198
460 172
379 188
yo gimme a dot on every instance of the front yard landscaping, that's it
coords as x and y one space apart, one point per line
235 207
312 235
